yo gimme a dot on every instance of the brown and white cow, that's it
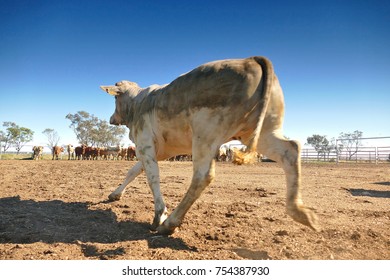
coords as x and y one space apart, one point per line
37 152
90 153
198 112
131 153
122 153
56 151
71 151
223 153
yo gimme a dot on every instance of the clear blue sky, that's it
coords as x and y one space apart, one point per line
332 57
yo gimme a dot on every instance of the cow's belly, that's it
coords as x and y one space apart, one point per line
174 137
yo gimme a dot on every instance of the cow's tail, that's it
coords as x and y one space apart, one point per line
250 154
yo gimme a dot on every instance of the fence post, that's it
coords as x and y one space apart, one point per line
376 155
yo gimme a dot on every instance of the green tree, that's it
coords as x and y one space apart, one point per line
83 125
2 139
321 144
15 136
92 131
24 135
6 137
109 135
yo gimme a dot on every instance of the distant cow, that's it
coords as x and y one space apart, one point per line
198 112
131 153
71 152
180 158
37 152
90 153
79 152
112 152
56 151
103 153
223 153
122 153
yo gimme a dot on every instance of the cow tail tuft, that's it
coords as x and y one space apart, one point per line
240 157
249 156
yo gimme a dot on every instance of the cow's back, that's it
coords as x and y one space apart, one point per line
220 84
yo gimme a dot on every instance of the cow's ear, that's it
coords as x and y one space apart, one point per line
111 90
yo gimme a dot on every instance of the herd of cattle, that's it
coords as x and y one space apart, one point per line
84 152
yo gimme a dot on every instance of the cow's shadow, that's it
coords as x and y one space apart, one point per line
370 193
29 221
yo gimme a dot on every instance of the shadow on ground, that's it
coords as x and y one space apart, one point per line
29 221
370 193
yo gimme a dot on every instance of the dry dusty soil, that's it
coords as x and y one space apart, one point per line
59 210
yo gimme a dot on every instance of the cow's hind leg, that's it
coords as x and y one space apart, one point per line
203 175
131 175
287 153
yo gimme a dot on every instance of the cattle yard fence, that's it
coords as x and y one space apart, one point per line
363 155
365 152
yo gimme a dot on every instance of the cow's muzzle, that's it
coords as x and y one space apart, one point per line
114 120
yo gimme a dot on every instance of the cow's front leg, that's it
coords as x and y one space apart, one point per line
148 158
204 173
131 175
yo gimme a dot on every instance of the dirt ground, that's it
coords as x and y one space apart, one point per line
59 210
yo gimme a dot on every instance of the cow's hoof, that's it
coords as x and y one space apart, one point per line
164 230
114 197
155 225
304 216
159 220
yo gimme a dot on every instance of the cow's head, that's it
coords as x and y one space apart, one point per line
123 91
